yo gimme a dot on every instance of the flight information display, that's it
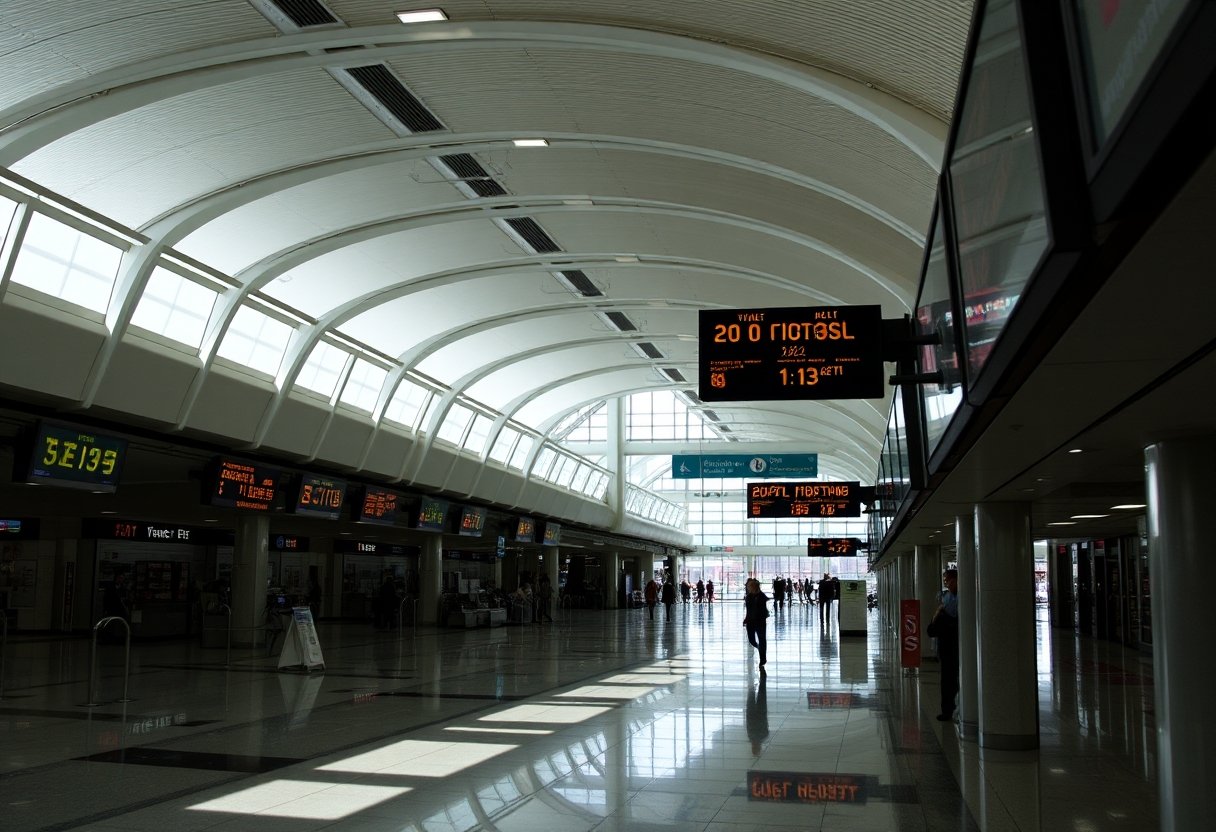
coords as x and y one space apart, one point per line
832 546
525 530
778 500
790 353
321 496
76 457
432 514
380 505
243 485
553 534
472 521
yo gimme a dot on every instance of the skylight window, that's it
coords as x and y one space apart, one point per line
60 260
255 340
501 451
454 424
323 369
475 442
520 455
175 307
407 403
362 389
422 16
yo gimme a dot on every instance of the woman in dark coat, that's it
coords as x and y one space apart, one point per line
755 619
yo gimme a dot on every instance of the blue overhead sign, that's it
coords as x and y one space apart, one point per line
698 466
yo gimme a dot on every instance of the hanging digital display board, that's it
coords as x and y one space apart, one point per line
777 500
244 485
525 530
432 514
76 457
553 534
832 546
472 521
794 353
381 506
320 497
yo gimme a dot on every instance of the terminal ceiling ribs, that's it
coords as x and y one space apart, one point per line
365 175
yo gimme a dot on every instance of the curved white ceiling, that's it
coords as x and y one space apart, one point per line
704 154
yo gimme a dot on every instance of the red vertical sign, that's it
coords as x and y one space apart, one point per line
909 633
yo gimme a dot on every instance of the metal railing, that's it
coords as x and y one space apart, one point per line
3 648
126 671
413 615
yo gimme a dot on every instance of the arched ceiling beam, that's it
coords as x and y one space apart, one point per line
278 263
41 119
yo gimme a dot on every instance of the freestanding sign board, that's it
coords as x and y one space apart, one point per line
909 633
794 353
301 647
852 608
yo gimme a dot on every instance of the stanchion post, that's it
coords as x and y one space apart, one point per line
93 659
228 652
3 649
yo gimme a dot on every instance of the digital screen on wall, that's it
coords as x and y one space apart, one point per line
1120 41
320 496
832 546
525 530
432 514
472 521
553 534
381 506
76 457
237 484
783 500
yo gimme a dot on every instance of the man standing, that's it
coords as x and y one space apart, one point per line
945 630
827 592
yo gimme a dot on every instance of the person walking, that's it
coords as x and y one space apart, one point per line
709 592
651 596
669 598
944 627
544 599
685 590
755 619
700 591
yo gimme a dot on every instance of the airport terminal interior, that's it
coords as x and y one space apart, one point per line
397 401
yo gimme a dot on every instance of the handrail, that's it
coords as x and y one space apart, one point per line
413 616
228 652
126 673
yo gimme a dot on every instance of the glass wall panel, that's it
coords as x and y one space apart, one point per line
934 316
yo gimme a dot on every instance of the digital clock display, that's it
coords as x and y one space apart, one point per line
525 530
380 506
243 485
472 521
777 500
796 353
76 458
832 546
321 496
432 514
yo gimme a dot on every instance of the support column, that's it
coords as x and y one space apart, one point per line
430 579
1180 488
968 690
1005 657
250 568
552 566
928 592
612 577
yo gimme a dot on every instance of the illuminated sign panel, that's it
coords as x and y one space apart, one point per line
823 547
76 458
805 787
777 500
320 496
117 529
795 353
380 506
244 485
472 521
525 530
432 514
553 534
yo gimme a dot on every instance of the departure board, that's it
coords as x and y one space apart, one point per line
243 485
432 514
794 353
832 546
472 521
320 496
76 457
776 500
381 506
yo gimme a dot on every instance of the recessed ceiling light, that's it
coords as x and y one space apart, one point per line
1063 523
343 532
1129 505
109 512
1088 516
422 16
1075 450
531 142
626 259
577 202
211 520
1028 490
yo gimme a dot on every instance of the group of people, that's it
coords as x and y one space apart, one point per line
538 602
661 588
705 591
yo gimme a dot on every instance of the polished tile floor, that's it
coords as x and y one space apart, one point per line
601 721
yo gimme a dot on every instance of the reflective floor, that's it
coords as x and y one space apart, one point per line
603 720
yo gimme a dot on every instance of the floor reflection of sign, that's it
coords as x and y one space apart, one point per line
803 787
831 699
301 647
909 633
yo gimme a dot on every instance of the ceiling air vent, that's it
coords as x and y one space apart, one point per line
305 13
391 94
648 349
621 321
579 282
710 415
673 374
722 429
470 171
533 235
692 396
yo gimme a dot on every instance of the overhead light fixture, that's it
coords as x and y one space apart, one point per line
1129 505
422 16
626 258
108 512
531 142
1076 450
1088 516
1063 523
577 202
211 520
